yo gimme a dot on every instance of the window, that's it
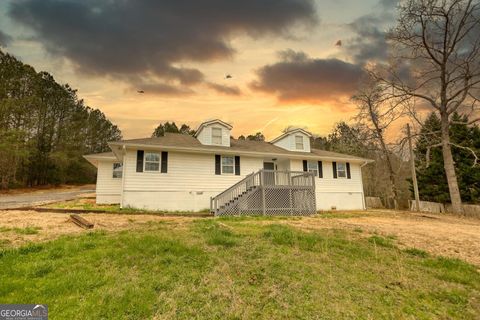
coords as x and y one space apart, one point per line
216 135
312 166
228 164
152 161
341 170
299 142
117 170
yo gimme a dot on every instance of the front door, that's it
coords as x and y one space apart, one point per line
269 176
269 166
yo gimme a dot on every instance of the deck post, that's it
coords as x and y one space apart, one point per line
262 190
314 194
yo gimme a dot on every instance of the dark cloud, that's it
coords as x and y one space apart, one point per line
228 90
4 39
369 41
133 37
298 77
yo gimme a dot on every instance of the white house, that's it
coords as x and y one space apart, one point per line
180 172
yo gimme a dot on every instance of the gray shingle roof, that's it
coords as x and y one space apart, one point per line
102 155
186 141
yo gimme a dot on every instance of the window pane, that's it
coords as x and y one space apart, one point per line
117 170
117 174
298 142
217 140
312 165
227 169
152 157
341 170
227 161
152 166
216 135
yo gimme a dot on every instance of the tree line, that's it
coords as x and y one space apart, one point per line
45 129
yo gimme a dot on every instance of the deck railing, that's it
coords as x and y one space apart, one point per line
268 192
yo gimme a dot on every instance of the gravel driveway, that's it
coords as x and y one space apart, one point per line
11 201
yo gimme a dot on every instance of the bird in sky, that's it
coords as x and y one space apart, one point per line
228 76
338 43
141 91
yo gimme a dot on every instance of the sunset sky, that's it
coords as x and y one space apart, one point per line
281 54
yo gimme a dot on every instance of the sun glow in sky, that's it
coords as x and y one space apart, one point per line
286 69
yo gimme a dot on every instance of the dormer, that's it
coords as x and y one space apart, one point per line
214 133
294 140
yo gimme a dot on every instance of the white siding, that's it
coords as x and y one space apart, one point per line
191 181
288 142
205 135
108 189
342 193
188 184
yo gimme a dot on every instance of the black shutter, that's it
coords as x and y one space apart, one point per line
218 168
139 160
164 167
334 166
237 165
305 167
348 171
320 169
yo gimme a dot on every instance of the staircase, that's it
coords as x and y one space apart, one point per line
268 192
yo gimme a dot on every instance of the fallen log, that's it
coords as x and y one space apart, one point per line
81 222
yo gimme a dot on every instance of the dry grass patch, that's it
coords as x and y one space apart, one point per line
20 227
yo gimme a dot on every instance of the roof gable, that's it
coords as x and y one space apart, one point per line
211 122
290 132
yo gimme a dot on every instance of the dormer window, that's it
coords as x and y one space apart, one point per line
299 142
217 136
214 133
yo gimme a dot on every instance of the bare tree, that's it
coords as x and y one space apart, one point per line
376 112
437 63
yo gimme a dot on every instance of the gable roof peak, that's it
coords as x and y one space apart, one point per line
212 121
291 131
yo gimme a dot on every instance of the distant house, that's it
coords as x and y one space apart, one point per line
211 170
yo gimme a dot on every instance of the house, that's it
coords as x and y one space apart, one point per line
180 172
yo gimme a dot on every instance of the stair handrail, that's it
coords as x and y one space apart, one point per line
250 180
232 192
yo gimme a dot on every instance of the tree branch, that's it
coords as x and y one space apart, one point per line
475 161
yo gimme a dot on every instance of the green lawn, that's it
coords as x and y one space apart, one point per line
236 269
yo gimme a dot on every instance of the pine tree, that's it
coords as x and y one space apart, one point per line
45 129
432 180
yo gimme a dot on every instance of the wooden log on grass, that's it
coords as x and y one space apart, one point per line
81 222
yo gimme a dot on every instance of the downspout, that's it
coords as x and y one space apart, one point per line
124 166
361 181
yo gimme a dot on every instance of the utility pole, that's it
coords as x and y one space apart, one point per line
414 173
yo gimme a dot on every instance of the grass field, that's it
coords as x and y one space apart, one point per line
236 269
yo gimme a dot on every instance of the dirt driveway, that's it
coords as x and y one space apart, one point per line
18 200
440 235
